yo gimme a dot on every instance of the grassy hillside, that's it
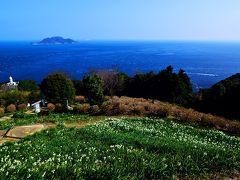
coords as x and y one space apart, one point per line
121 148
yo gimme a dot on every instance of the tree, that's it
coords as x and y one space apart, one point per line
140 85
78 85
184 89
27 85
57 88
165 85
114 82
93 88
222 98
110 81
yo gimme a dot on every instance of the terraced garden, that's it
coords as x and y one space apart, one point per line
124 148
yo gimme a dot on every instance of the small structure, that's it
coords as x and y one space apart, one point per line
37 106
10 85
11 82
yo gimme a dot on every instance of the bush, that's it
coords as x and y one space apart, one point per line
162 112
95 108
2 111
14 97
58 88
59 107
11 108
139 109
107 107
22 107
51 106
84 108
80 99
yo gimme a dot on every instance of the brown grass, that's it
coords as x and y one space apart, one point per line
22 107
51 106
143 107
11 108
2 111
82 108
80 99
95 108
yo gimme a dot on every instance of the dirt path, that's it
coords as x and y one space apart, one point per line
18 132
4 118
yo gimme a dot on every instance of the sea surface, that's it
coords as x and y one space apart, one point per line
205 62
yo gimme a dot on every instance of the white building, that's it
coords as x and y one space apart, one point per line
11 82
10 85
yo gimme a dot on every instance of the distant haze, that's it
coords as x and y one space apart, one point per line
120 19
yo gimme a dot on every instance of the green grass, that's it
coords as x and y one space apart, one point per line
141 148
19 119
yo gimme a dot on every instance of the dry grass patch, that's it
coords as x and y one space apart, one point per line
143 107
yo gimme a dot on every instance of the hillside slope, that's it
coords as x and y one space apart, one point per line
139 148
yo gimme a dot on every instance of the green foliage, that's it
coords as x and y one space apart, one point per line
121 148
114 82
222 98
22 115
165 86
78 85
21 118
27 85
13 97
93 87
34 96
58 88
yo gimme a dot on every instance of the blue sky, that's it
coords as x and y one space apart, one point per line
120 19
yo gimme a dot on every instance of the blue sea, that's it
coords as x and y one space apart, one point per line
205 62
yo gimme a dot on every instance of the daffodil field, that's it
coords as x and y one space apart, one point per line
121 148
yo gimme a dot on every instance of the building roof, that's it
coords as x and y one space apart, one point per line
38 102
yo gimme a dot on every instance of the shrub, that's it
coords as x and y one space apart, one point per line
80 99
139 109
14 97
59 107
123 109
84 108
95 108
2 111
162 111
22 107
11 108
51 106
107 107
76 108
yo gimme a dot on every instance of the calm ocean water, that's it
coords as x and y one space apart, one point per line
205 62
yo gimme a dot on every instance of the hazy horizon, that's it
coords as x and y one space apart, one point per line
126 40
145 20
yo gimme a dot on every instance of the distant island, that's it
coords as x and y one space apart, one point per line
55 40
